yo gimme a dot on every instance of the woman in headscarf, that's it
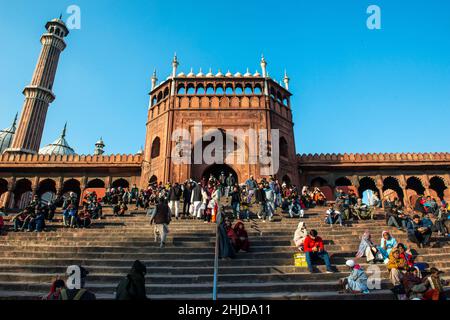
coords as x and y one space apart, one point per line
231 234
404 254
300 235
55 290
226 249
412 283
369 249
388 243
242 242
356 282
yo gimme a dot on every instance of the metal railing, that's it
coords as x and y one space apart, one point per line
216 253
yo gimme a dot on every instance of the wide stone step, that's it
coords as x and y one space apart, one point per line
202 288
324 295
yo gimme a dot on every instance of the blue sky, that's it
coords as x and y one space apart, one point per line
355 90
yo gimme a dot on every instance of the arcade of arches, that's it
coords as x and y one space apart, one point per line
406 188
17 193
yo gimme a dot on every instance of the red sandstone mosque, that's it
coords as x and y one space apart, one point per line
223 101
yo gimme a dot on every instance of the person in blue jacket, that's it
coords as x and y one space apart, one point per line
419 231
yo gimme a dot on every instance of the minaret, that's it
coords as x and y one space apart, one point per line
99 145
175 65
286 80
263 66
154 79
38 95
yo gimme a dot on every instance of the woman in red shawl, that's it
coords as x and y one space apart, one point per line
231 234
55 290
242 242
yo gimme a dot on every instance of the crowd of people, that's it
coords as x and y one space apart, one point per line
200 200
130 287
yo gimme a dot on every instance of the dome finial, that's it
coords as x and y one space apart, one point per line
63 135
175 65
15 119
154 79
264 66
286 80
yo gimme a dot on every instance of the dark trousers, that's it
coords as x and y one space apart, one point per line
310 256
420 238
186 205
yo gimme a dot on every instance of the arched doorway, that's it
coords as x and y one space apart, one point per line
3 190
22 193
217 169
122 183
96 183
324 186
286 179
367 188
72 185
437 184
47 185
153 180
343 182
391 189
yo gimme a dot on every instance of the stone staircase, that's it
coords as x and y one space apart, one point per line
184 269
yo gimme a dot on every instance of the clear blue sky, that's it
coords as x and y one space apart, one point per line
355 90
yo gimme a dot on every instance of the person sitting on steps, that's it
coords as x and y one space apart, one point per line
419 231
20 221
362 210
333 216
356 282
314 249
77 294
2 223
368 249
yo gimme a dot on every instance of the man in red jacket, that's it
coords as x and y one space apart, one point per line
313 247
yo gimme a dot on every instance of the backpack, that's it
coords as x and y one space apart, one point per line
78 296
125 290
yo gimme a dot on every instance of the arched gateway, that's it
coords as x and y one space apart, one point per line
217 169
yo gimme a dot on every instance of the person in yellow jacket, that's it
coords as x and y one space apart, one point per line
397 267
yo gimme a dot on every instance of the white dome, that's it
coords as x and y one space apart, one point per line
181 74
210 74
191 74
219 74
228 74
200 74
59 147
6 136
247 74
238 74
256 74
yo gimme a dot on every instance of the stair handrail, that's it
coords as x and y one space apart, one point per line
216 252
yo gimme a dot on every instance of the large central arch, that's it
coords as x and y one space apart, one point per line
217 169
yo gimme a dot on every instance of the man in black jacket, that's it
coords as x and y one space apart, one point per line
132 287
175 194
230 184
161 218
260 197
196 200
186 199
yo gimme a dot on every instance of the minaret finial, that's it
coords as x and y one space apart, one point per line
286 80
264 66
63 135
15 119
60 16
175 65
154 79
